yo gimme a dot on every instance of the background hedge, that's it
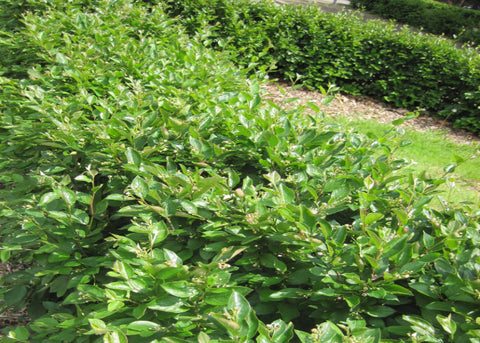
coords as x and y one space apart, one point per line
403 68
431 16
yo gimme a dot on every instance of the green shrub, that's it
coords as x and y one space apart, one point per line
153 196
402 68
431 16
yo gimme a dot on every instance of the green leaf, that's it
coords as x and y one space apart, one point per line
328 292
115 305
95 292
287 195
402 214
15 295
352 300
252 324
304 337
233 179
115 336
83 178
167 303
394 247
314 107
439 306
117 197
230 325
218 296
158 233
287 214
281 332
80 217
398 121
458 159
133 157
119 285
48 197
412 267
288 312
20 333
424 288
369 182
98 325
172 257
329 332
366 335
139 187
189 207
397 289
334 184
428 240
255 102
420 325
270 261
373 217
285 293
450 168
60 58
139 311
273 177
124 270
380 311
67 195
239 306
203 337
444 267
143 325
181 289
379 293
447 323
5 255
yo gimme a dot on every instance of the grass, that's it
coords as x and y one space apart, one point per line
433 152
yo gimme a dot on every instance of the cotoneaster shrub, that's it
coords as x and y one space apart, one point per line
431 16
153 196
405 69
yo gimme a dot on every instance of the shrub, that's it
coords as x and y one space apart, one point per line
153 196
431 16
402 68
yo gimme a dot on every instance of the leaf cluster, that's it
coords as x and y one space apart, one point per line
153 196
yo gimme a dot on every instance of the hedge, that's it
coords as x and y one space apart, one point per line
404 69
431 16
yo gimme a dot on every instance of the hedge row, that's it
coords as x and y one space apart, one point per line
434 17
404 69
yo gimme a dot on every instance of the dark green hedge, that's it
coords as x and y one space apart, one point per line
404 69
431 16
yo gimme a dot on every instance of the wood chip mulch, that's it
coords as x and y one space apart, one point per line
363 108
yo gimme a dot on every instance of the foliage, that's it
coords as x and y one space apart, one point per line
155 197
432 150
431 16
405 69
